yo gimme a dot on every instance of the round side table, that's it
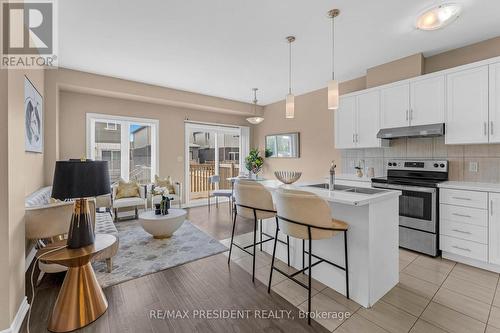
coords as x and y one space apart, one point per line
81 299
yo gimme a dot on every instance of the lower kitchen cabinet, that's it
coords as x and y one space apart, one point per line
470 227
494 228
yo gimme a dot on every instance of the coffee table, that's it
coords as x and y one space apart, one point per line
80 300
162 226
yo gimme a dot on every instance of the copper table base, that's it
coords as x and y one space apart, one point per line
80 301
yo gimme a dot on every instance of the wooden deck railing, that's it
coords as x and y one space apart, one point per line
199 174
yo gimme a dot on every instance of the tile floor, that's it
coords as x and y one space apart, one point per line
433 295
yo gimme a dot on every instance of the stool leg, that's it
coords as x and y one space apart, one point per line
346 266
260 227
254 243
309 281
303 255
232 238
272 260
288 249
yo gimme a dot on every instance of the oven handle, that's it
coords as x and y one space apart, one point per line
403 187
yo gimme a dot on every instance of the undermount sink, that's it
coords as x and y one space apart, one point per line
352 189
364 190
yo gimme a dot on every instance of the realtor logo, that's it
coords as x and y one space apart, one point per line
28 34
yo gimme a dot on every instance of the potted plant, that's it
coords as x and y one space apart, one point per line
254 162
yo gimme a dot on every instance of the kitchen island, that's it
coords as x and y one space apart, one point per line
373 241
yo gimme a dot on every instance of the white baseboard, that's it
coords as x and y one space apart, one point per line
18 320
29 259
471 262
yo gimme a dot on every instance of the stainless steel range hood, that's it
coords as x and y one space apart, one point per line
412 131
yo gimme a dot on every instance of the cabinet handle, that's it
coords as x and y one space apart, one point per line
357 137
407 116
461 248
461 231
462 198
462 215
353 135
411 114
485 128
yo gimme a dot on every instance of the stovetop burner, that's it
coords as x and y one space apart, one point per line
424 173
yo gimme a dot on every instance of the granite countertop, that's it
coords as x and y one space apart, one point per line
471 186
342 197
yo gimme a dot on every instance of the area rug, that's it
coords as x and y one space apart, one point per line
140 254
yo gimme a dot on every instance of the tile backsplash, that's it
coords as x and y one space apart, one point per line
462 158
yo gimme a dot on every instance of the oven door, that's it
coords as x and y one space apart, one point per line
417 206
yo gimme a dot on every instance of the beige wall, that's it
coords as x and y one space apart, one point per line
167 100
4 203
314 122
72 130
20 173
475 52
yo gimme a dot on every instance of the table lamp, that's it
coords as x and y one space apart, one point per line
79 180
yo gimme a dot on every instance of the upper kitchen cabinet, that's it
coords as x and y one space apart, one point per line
494 110
357 121
427 101
420 101
368 120
467 106
395 106
345 127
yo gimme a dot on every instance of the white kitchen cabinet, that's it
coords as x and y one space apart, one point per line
467 106
494 228
395 106
494 110
357 121
368 120
427 101
345 126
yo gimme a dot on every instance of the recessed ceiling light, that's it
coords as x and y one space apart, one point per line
438 17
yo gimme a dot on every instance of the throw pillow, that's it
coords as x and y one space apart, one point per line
167 183
127 190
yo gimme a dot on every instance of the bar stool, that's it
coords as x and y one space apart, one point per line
304 215
253 201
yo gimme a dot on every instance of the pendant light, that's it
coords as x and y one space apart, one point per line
333 85
255 120
290 98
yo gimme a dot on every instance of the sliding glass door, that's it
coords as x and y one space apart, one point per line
129 145
212 150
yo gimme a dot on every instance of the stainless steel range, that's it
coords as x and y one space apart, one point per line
419 203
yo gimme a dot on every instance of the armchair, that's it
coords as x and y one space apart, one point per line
132 202
177 195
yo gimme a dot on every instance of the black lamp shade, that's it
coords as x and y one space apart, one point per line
80 179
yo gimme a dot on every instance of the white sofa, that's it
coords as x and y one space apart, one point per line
46 222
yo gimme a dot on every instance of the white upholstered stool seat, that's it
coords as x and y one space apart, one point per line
306 216
253 201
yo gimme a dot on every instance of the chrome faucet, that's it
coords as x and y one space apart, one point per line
332 176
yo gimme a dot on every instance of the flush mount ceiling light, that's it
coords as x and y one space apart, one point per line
255 120
438 17
333 85
290 98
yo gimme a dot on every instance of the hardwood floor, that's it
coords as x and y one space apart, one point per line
218 223
206 284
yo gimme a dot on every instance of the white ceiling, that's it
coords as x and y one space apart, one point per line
225 47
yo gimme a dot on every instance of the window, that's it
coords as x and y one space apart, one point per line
130 146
